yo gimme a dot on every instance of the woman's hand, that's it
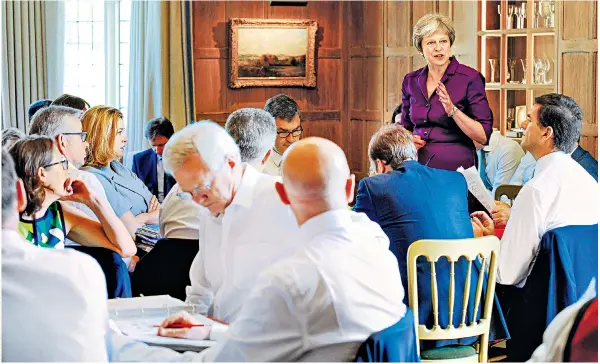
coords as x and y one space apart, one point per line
444 98
154 204
79 191
419 143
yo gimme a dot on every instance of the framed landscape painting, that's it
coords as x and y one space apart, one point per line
269 52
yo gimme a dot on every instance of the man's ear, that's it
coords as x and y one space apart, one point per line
266 158
379 166
548 133
280 188
21 196
61 143
350 183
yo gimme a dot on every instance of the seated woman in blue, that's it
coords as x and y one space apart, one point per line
46 221
127 194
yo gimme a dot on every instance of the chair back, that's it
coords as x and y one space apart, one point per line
165 269
510 191
485 248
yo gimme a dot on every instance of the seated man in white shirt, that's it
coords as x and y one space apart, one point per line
246 227
251 130
320 304
53 301
561 193
498 160
289 130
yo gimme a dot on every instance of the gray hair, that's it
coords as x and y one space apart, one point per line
429 24
254 132
392 144
10 136
282 107
564 116
49 121
9 185
203 138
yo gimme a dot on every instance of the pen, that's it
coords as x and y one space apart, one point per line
181 326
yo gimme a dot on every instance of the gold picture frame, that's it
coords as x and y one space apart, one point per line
272 53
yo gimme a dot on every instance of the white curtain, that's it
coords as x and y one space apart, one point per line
32 56
161 67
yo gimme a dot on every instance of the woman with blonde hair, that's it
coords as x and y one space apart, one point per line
127 194
444 103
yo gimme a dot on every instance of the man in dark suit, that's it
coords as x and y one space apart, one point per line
410 202
148 166
586 160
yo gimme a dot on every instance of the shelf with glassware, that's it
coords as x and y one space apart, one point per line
517 57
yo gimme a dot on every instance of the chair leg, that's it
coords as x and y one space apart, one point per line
483 348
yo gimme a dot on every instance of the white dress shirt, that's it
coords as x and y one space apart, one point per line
503 156
160 178
180 219
53 304
320 304
94 185
524 171
560 194
235 247
273 164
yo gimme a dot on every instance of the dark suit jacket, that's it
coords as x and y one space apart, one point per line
586 160
418 202
144 166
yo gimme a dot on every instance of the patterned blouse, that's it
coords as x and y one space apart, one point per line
47 231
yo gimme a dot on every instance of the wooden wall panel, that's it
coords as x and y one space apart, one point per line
363 51
578 64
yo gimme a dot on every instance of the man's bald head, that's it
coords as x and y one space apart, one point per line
316 175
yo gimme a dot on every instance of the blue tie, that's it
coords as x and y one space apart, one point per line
482 154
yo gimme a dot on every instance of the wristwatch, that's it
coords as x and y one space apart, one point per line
454 110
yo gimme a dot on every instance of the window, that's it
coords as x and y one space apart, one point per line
97 51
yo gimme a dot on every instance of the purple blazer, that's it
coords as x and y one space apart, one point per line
447 146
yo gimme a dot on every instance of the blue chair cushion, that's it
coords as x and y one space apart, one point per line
448 352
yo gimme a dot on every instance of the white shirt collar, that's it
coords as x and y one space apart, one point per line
245 191
547 160
276 158
324 222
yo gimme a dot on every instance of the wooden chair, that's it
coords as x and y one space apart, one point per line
471 249
510 191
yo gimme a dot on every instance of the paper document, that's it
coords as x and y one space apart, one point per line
140 324
476 187
161 301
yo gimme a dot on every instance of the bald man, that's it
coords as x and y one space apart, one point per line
321 303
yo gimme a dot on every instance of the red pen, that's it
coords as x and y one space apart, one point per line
181 326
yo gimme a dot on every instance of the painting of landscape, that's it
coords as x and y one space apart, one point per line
272 52
269 52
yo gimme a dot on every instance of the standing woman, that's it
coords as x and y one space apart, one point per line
444 103
133 203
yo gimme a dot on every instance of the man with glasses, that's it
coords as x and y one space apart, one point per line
289 130
63 125
246 226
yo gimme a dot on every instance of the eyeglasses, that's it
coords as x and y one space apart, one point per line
64 163
195 192
82 134
286 133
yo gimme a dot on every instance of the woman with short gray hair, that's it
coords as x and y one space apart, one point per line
444 104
